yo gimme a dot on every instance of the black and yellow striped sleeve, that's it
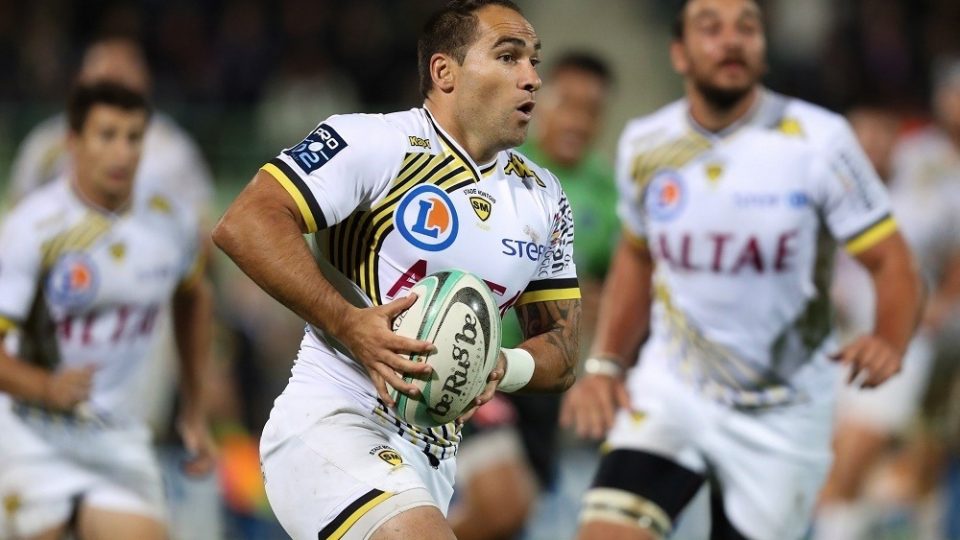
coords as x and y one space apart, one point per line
301 194
356 510
871 235
544 290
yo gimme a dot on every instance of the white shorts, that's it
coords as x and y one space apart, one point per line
890 407
769 464
47 466
332 471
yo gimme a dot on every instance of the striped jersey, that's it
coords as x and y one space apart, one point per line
741 225
392 198
83 286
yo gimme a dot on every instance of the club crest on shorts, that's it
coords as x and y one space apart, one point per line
665 196
427 219
388 455
73 281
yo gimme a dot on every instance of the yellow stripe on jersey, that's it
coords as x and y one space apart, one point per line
298 197
6 325
672 154
572 293
638 242
195 273
356 515
871 236
77 238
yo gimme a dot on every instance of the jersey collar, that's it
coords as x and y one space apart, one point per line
451 146
744 120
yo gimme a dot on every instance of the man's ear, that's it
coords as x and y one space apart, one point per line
678 57
443 72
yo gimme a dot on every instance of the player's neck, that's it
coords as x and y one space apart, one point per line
478 151
100 199
715 119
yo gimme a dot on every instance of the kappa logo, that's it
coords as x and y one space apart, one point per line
419 142
73 281
666 196
517 166
427 219
388 455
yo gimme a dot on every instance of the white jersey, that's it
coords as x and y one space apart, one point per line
741 227
171 162
393 198
86 287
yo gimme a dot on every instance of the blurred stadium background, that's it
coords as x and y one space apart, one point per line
249 77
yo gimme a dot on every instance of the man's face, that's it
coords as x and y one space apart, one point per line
495 85
722 49
571 111
107 150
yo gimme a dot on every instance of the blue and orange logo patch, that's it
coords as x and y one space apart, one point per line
73 281
666 196
427 219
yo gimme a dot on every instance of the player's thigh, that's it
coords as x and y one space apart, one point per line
424 522
102 524
771 467
345 476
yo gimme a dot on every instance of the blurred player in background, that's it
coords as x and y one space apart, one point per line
391 199
925 198
170 157
172 162
732 200
517 433
86 265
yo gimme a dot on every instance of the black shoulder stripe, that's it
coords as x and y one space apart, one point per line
304 190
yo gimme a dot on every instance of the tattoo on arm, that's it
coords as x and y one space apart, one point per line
558 322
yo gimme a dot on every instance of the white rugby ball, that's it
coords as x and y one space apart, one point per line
455 311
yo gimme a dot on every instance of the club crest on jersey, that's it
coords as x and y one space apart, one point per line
481 207
388 455
73 281
427 219
666 196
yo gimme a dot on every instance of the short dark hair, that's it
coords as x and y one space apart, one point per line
451 30
677 29
583 61
83 97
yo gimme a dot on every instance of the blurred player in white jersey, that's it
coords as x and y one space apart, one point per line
86 265
172 162
731 202
170 157
391 198
924 172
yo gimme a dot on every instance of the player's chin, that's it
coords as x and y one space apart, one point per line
515 135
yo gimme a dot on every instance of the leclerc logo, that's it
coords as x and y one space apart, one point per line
665 196
426 218
73 281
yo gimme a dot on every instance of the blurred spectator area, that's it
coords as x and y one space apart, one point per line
247 77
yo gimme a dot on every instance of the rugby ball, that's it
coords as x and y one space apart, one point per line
455 311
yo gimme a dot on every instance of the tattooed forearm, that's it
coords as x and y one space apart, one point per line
552 333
